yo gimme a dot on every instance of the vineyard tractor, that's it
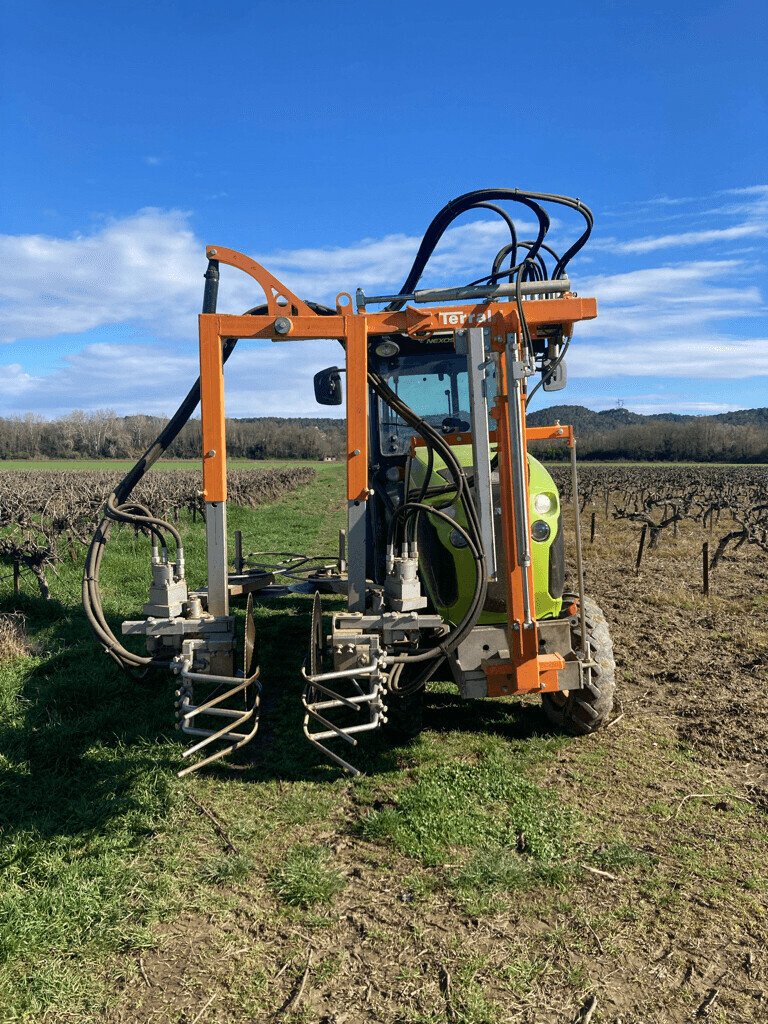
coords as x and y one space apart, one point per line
453 559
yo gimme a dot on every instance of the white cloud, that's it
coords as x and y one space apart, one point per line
673 302
146 270
705 358
263 379
143 269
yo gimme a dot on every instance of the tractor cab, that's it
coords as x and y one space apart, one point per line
436 386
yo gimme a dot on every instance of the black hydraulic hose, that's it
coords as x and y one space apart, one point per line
497 273
449 213
118 509
478 598
471 534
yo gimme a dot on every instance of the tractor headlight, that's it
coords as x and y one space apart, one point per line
540 530
458 540
542 504
387 349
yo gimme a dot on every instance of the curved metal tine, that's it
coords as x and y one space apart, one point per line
349 768
214 701
228 729
348 730
220 753
336 696
345 673
337 730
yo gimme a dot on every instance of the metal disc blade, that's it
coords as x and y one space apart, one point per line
316 639
250 647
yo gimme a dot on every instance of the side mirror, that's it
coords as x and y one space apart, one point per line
328 389
559 378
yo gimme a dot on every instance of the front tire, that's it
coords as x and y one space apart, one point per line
584 711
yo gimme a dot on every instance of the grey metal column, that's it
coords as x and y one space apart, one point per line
356 552
218 571
481 445
517 371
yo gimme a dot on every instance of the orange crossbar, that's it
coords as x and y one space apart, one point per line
555 433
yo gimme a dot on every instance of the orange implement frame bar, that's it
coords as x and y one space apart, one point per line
357 407
288 319
212 410
556 433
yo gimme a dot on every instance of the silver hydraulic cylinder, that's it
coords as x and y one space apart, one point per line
477 366
517 371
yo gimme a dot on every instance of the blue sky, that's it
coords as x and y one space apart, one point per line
322 137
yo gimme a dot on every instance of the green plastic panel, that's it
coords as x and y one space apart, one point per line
540 482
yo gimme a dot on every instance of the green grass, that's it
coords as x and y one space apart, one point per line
306 878
477 802
99 842
102 849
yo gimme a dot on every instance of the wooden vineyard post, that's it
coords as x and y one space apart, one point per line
238 551
16 574
705 567
592 528
640 548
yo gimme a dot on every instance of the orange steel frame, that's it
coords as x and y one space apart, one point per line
289 319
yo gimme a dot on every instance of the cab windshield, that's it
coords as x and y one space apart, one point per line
437 389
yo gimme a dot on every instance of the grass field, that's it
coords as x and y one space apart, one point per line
488 872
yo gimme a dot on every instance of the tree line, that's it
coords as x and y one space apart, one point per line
696 439
740 438
105 435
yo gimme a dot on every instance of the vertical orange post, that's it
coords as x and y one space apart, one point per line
356 329
523 643
212 410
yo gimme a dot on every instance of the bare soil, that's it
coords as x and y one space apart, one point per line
671 929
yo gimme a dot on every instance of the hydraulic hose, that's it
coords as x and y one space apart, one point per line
531 267
472 534
120 510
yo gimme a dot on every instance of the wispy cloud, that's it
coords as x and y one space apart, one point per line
704 357
686 238
685 318
749 206
262 378
146 270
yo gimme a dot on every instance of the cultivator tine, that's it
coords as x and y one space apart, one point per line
319 729
242 722
365 689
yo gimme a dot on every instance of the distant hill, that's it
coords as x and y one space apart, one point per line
587 421
740 436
